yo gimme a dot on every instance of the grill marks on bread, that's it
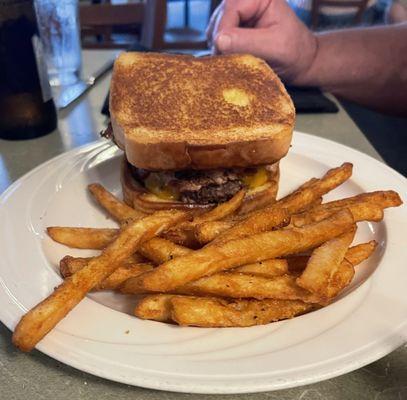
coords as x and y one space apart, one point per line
183 93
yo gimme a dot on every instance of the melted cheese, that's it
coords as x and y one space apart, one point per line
155 186
257 179
166 192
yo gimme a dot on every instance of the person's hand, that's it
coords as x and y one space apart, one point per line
268 29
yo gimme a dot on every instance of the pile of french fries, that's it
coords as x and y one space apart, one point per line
220 268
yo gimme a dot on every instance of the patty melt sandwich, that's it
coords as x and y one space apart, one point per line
195 131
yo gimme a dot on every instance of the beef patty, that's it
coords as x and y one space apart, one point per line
199 187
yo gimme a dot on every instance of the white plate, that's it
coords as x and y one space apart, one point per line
367 322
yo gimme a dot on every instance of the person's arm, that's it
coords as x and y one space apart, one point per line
365 65
368 66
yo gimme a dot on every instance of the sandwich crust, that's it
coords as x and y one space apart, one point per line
173 112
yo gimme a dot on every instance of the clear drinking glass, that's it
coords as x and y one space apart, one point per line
58 22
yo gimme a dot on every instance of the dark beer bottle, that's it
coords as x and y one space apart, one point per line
26 106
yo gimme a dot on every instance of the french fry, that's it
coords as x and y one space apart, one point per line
223 256
257 222
346 271
69 265
240 286
221 211
34 325
355 255
208 231
82 238
324 263
155 306
210 312
364 211
383 199
160 250
128 269
312 190
184 234
116 208
259 198
340 279
364 207
267 268
298 201
121 274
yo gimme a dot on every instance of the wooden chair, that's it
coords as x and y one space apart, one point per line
359 5
186 37
144 21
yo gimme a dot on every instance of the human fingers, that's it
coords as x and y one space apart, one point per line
245 40
238 12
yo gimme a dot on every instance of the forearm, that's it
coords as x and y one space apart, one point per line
368 66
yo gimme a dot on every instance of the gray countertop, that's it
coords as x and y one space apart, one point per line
35 376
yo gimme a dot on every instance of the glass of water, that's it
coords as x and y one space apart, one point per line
58 23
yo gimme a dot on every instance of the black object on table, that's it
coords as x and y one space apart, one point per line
311 100
387 133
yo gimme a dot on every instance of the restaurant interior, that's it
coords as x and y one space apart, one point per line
56 68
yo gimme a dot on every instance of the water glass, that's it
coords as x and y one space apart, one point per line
58 23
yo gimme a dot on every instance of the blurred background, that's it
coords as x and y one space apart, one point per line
53 52
186 20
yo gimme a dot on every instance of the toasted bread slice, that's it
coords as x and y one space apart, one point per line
174 112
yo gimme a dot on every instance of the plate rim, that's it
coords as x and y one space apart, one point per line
194 388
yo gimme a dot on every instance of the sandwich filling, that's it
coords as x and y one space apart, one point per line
202 186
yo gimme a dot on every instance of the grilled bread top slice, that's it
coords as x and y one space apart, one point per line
175 112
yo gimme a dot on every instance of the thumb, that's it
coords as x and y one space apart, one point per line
245 40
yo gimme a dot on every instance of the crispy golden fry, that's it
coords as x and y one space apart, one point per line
324 263
256 222
221 211
340 279
223 256
69 265
208 231
365 211
356 254
312 190
383 199
210 312
184 234
239 286
155 306
364 207
34 325
312 205
299 200
128 269
161 250
121 274
82 238
157 250
346 271
116 208
266 268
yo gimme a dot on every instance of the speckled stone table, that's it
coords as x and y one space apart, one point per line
35 376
